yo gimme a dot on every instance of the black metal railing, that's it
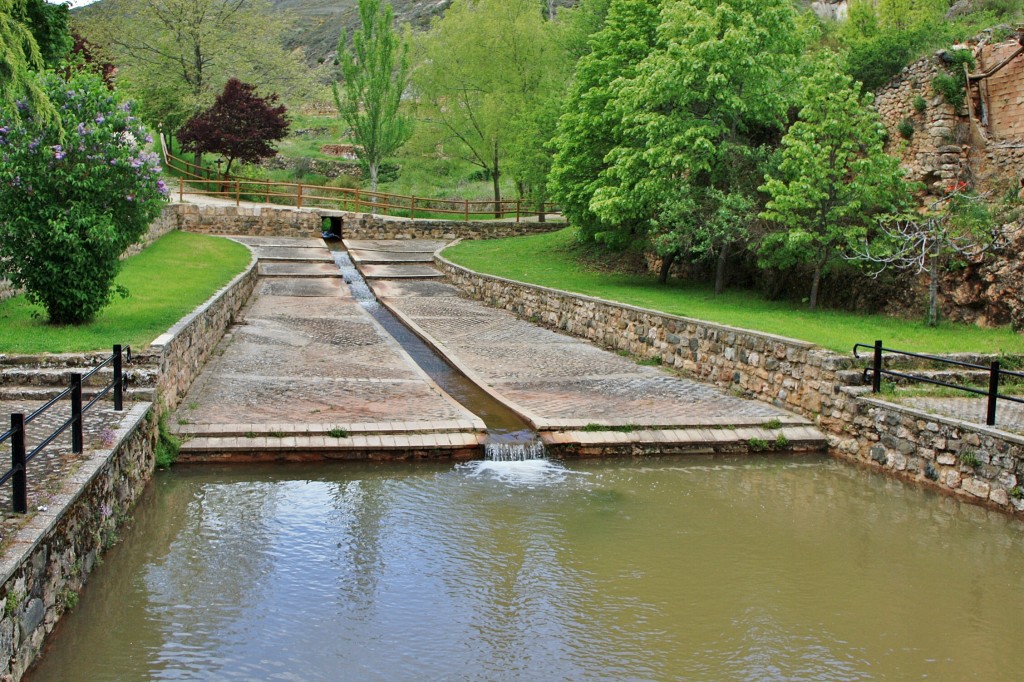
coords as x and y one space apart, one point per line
21 456
995 374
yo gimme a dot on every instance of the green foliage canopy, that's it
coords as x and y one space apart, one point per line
72 203
833 179
692 119
19 58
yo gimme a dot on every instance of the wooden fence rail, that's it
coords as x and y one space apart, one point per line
204 181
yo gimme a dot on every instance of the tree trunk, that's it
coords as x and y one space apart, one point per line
374 173
814 287
666 266
723 258
495 178
933 286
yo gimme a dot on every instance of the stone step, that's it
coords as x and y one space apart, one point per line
20 393
977 378
453 445
61 376
742 440
313 430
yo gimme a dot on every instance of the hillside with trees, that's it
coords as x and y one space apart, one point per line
733 141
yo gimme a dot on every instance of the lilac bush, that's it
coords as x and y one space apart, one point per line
74 195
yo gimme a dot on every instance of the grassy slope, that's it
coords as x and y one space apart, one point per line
547 260
166 282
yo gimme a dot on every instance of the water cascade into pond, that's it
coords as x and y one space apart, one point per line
509 437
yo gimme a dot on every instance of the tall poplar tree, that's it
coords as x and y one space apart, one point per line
374 73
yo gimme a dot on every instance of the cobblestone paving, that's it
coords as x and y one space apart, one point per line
305 352
428 246
1009 415
48 470
362 256
562 379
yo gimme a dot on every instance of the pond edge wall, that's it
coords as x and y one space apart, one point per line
819 384
58 545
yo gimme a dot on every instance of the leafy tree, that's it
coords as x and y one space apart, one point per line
374 74
700 104
19 57
589 127
833 177
482 70
49 24
240 125
72 203
174 56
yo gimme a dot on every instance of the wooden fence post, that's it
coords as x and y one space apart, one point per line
412 207
298 196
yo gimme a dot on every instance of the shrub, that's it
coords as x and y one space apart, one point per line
919 104
906 128
952 87
74 196
874 61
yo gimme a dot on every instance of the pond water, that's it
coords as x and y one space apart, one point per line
699 568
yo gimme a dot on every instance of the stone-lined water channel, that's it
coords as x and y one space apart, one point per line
674 568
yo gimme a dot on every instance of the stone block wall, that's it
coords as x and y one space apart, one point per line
54 552
251 221
166 222
369 226
976 463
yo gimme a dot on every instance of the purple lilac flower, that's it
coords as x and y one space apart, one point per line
33 145
161 187
58 152
81 129
100 119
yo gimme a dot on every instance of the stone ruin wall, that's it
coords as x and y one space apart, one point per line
937 153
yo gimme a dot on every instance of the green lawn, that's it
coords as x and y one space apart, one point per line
165 282
548 260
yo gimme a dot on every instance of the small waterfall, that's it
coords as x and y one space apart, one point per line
498 451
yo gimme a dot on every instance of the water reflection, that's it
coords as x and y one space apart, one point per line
699 568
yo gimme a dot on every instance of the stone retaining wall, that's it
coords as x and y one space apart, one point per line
59 545
976 463
251 221
369 226
182 351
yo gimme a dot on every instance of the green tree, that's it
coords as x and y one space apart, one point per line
701 103
75 196
19 58
833 179
589 127
50 26
374 74
481 72
174 56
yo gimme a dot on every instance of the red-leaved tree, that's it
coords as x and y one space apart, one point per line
240 125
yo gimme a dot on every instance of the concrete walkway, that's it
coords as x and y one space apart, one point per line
307 373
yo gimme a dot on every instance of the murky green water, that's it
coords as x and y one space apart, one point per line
697 568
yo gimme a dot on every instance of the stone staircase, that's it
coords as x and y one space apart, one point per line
929 369
42 377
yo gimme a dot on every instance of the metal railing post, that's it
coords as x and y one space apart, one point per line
118 379
77 443
19 484
876 374
993 393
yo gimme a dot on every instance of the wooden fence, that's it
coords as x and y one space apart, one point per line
196 179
